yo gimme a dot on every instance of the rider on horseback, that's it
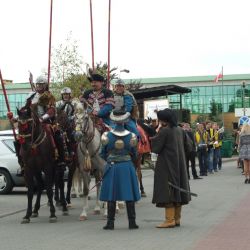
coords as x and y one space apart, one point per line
125 100
65 104
43 102
100 101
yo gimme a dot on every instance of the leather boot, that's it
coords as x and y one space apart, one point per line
170 218
130 205
111 216
177 216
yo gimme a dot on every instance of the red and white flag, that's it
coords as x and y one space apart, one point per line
220 76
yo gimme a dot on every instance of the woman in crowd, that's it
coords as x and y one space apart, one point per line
244 150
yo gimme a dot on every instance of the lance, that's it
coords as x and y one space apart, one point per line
108 77
92 34
7 104
50 35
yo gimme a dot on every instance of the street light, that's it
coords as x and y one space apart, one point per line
243 96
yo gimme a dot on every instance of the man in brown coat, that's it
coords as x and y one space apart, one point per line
171 186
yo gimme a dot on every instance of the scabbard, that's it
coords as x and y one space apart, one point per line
182 189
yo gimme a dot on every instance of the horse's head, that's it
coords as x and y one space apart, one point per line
82 121
25 123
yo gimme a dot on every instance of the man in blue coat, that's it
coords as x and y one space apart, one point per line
119 181
125 100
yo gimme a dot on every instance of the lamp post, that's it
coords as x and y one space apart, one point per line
243 97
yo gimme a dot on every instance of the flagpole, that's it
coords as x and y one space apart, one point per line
222 97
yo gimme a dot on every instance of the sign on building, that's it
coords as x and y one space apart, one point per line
240 112
154 105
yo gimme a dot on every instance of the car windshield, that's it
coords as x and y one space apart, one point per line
9 143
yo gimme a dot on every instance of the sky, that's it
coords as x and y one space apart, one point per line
151 38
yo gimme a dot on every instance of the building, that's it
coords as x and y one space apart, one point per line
232 93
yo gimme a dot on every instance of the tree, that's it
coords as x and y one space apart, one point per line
66 60
215 111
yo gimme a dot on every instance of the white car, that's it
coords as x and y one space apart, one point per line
9 167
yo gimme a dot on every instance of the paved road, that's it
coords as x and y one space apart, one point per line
217 219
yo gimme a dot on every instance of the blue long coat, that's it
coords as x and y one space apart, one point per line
120 180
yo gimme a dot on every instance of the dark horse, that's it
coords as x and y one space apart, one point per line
37 153
66 126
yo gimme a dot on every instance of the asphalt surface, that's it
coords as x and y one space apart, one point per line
220 196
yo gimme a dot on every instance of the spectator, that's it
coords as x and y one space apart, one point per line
244 150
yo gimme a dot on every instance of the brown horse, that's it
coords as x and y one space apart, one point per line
37 153
66 126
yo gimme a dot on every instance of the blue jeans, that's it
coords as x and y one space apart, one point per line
217 159
210 160
202 157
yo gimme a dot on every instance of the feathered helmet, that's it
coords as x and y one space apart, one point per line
96 77
119 115
66 90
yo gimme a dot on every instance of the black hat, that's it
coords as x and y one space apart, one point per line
119 115
96 77
168 115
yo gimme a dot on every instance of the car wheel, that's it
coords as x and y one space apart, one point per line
6 184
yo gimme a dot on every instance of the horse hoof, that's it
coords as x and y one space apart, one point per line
65 213
73 195
34 215
83 218
143 194
97 211
53 219
25 221
81 195
69 205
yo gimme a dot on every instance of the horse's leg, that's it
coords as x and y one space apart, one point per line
40 186
60 182
69 184
56 194
30 185
139 174
49 181
86 182
74 183
105 206
97 209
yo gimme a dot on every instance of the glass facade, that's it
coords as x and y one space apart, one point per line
199 100
15 101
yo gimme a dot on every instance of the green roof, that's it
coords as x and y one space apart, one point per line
17 86
186 79
158 80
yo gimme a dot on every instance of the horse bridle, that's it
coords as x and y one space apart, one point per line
84 130
39 140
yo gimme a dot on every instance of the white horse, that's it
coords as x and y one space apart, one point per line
89 160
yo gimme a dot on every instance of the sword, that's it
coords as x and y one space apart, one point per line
172 185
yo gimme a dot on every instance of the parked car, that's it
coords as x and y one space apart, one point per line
9 166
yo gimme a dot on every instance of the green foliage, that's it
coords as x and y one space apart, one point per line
77 83
215 111
66 60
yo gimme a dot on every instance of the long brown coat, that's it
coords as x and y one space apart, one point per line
170 144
